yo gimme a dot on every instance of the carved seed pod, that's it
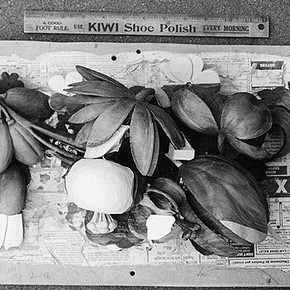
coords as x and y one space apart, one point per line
245 118
12 190
27 149
166 194
226 198
194 112
202 237
29 103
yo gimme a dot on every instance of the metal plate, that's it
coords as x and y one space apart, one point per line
144 24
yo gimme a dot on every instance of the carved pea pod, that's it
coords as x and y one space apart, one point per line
29 103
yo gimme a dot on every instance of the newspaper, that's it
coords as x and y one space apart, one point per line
54 230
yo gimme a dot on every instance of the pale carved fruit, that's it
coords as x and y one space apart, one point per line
100 186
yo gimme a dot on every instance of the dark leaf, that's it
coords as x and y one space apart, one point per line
142 138
88 100
99 89
89 113
168 125
194 112
109 121
84 133
226 199
156 150
92 75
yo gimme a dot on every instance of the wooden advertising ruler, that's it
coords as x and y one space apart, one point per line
144 24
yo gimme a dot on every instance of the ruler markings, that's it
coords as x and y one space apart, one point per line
144 24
